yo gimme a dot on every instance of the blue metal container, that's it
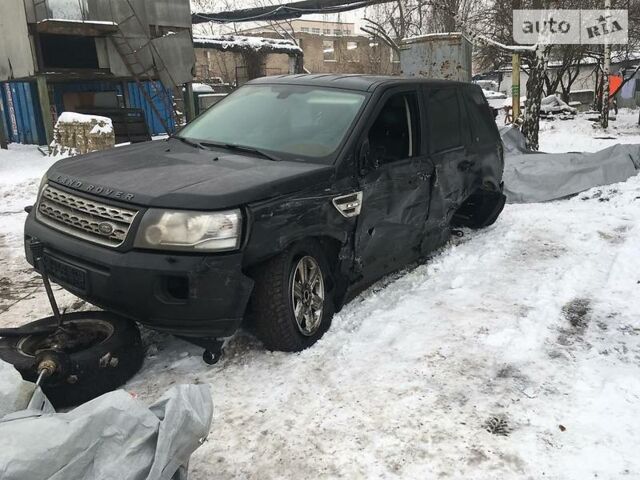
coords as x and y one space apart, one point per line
21 110
138 100
23 119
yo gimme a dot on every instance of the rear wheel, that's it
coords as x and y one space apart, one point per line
292 299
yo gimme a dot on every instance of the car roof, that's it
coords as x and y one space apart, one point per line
350 81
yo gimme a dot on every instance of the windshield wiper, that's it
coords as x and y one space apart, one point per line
242 148
191 143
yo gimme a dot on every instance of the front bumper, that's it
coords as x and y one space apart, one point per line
184 294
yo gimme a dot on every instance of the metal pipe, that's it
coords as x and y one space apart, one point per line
37 249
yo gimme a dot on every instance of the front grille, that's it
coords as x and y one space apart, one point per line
84 218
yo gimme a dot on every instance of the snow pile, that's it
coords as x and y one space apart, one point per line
239 43
582 135
77 133
553 104
203 88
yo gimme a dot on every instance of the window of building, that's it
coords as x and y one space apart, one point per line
329 50
445 122
337 32
347 32
326 31
304 29
395 135
56 51
352 53
315 30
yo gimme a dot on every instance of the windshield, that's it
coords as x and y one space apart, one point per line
299 121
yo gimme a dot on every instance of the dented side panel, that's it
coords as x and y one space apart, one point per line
279 222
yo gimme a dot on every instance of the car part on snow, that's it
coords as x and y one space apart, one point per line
213 348
94 353
75 356
293 298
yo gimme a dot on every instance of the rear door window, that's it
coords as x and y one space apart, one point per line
395 134
445 123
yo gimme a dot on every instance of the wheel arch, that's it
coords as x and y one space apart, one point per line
333 247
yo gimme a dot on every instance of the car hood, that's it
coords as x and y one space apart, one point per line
171 174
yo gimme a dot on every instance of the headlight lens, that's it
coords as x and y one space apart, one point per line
190 230
43 182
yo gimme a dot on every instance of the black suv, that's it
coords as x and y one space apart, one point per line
275 205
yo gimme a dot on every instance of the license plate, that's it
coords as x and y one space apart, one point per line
66 274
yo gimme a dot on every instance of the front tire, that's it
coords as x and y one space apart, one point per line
293 298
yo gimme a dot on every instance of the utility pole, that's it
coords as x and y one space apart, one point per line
606 69
515 87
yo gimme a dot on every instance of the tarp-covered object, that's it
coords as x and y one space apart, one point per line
539 177
17 394
112 437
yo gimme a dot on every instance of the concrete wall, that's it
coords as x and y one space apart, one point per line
368 57
231 66
155 20
16 57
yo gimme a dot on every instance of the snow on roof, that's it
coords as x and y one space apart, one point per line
237 42
88 22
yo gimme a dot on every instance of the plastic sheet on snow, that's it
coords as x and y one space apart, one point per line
539 177
112 436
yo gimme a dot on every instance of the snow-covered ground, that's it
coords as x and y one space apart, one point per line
531 326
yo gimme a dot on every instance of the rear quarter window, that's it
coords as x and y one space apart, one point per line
445 123
481 121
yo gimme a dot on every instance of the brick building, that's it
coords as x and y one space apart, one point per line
326 46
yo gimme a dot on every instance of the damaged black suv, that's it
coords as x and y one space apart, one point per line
276 205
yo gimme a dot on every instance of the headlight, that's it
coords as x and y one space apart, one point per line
190 230
43 182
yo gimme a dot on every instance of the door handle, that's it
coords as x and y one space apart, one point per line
465 165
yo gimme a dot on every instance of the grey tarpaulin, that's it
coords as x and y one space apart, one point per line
112 437
540 177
